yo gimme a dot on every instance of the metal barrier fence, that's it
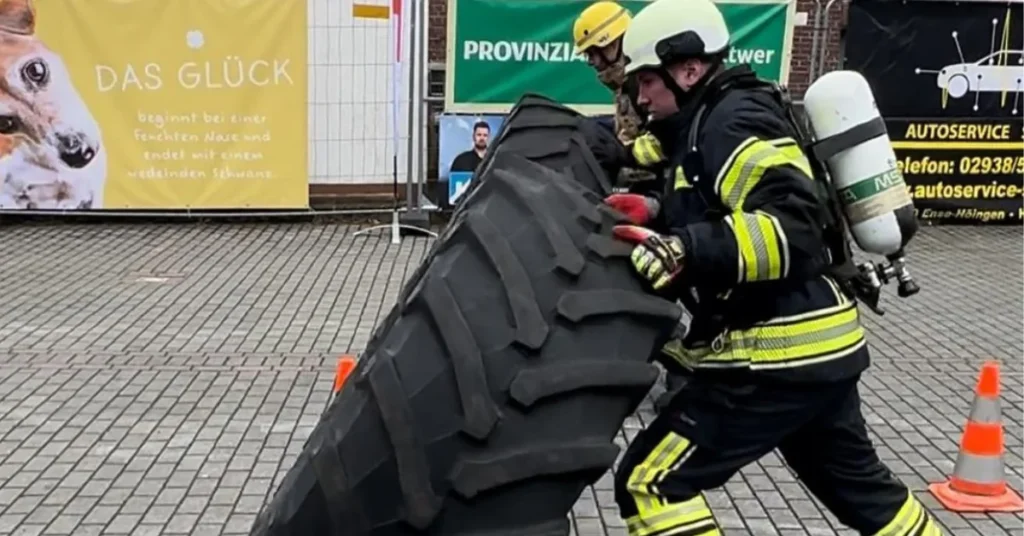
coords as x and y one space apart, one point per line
370 123
822 30
365 122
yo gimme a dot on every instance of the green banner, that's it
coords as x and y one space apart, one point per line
500 49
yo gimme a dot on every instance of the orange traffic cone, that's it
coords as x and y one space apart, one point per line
346 364
978 483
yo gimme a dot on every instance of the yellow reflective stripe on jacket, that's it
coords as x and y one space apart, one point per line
792 152
911 519
647 150
787 342
681 180
763 248
749 162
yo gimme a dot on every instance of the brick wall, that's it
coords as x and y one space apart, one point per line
800 68
438 27
803 36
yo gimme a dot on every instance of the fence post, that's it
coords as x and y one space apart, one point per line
826 33
413 132
812 60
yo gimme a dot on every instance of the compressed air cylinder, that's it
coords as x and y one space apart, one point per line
875 201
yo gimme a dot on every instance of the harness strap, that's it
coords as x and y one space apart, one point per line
831 146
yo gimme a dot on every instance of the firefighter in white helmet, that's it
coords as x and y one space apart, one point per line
742 236
597 33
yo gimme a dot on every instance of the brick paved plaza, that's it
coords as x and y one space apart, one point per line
159 379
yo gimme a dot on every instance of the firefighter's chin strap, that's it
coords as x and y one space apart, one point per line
685 96
612 75
716 81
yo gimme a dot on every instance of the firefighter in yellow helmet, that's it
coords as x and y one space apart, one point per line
597 34
775 343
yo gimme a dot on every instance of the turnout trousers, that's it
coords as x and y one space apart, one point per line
709 431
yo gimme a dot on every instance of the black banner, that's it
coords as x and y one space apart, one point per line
948 77
961 170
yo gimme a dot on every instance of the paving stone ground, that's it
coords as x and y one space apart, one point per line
160 379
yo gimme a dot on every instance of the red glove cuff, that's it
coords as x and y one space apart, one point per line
633 206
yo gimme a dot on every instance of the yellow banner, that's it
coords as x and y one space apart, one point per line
153 104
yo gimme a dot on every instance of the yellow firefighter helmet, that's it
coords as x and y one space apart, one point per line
599 24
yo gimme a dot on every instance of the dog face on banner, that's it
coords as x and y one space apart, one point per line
51 151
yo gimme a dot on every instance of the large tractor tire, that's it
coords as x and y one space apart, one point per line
490 397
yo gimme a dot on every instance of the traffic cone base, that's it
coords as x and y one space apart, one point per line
1008 501
346 364
978 483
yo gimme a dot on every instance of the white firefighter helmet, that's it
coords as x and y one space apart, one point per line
667 30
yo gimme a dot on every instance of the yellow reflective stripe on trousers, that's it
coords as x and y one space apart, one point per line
912 519
748 163
763 247
655 515
643 480
690 517
787 342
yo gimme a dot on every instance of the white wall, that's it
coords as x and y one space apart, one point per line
351 94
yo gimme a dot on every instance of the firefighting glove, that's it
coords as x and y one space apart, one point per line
646 150
657 258
638 208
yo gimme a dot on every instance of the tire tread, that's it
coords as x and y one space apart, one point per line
481 413
474 476
460 423
421 503
531 328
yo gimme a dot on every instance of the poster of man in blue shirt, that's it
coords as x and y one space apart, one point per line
462 146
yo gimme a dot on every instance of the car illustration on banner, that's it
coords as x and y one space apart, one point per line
1001 71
